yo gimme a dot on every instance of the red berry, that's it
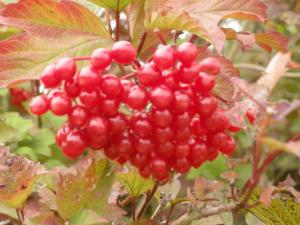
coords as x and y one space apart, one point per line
164 57
230 147
88 79
140 125
149 75
144 146
145 172
206 105
187 53
123 52
182 120
62 133
197 128
39 105
212 153
188 74
199 151
65 69
74 144
163 134
159 168
204 83
97 141
125 144
117 123
210 65
181 102
111 152
78 115
182 165
182 151
161 118
101 58
251 115
97 126
219 140
126 85
49 78
89 99
182 135
109 107
72 89
165 150
137 98
139 160
218 121
169 78
161 97
111 85
60 105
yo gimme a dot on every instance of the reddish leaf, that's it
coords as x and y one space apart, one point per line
271 39
144 222
202 17
49 18
266 196
246 39
230 176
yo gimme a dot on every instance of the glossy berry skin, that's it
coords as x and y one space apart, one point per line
182 151
109 107
198 151
145 172
88 79
97 142
65 69
159 168
111 85
182 120
144 146
217 122
97 126
117 124
39 105
71 89
182 165
186 53
60 105
78 115
62 133
140 125
89 98
49 78
251 115
181 102
169 79
206 105
126 85
161 118
204 83
123 52
197 127
111 152
161 97
165 150
162 135
137 98
74 145
164 57
188 75
149 75
139 160
230 147
101 58
211 66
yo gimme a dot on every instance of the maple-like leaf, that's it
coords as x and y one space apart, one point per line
201 17
87 187
52 30
17 176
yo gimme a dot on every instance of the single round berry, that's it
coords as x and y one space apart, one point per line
65 69
206 105
182 135
139 160
230 147
204 83
218 121
199 151
62 133
164 57
169 79
60 105
188 75
149 75
182 151
210 65
101 58
161 118
126 85
97 142
186 53
123 52
39 105
89 98
182 120
111 85
144 146
181 102
78 115
161 97
117 124
109 107
251 115
49 78
97 126
159 168
137 98
74 144
145 172
88 79
162 135
141 125
125 144
72 89
165 150
182 165
112 152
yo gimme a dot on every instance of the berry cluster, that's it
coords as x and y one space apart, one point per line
172 120
18 96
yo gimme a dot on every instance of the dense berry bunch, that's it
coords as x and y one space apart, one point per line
172 120
18 96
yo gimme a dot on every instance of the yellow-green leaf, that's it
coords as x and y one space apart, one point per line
134 183
116 5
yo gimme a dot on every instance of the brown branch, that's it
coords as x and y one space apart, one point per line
170 214
133 207
118 21
147 200
162 40
142 41
128 76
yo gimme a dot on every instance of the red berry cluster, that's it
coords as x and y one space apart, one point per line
18 96
173 121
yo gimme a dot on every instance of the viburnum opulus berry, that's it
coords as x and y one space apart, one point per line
172 121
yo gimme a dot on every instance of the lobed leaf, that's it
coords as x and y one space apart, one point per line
116 5
201 17
134 183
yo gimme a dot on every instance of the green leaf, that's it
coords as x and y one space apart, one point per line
211 170
8 211
18 123
134 183
201 17
136 17
87 217
116 5
88 188
7 133
6 32
26 151
281 212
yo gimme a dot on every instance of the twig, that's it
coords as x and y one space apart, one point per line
142 41
121 67
193 38
128 76
20 216
147 200
133 207
118 21
170 214
162 40
81 58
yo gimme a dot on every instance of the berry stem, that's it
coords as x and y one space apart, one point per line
193 38
133 207
160 37
118 21
170 214
20 216
128 76
142 41
81 58
147 200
